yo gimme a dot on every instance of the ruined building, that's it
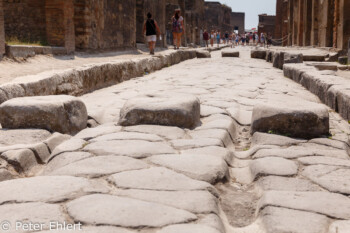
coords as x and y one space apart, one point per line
238 21
323 23
107 24
267 24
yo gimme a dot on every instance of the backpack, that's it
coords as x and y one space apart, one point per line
176 25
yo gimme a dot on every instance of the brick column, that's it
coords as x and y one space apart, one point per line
2 31
60 24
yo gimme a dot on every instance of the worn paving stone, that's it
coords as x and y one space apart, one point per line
198 202
273 139
22 136
157 178
193 228
22 160
224 153
279 183
339 226
46 189
330 204
90 133
220 134
93 229
322 160
273 166
64 114
72 144
167 132
219 121
55 140
183 144
171 110
117 212
210 110
333 178
64 159
35 212
5 175
207 168
129 148
243 117
282 220
128 136
99 166
304 119
213 221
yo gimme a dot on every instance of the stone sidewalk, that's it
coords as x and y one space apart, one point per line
214 178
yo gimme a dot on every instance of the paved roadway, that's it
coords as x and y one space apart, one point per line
213 179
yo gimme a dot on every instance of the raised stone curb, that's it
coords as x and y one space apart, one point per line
332 90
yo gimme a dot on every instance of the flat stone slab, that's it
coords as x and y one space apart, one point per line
22 136
65 159
157 178
193 228
199 202
230 54
207 168
302 119
173 110
64 114
279 183
333 178
281 220
329 204
100 166
203 54
46 189
132 148
167 132
273 166
116 211
128 136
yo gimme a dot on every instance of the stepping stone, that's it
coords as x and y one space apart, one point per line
301 119
259 54
174 110
46 189
100 166
330 204
333 178
64 114
203 54
199 202
281 220
273 166
116 211
207 168
132 148
157 178
193 228
230 54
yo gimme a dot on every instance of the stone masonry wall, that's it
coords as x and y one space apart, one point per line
238 21
2 31
194 20
25 19
105 24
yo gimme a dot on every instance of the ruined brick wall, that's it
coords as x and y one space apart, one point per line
194 20
60 24
105 24
238 21
281 24
25 19
213 15
226 19
2 31
267 24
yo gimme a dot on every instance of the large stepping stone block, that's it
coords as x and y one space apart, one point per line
302 119
64 114
177 110
230 54
203 54
258 54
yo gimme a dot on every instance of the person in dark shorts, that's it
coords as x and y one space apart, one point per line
227 37
151 29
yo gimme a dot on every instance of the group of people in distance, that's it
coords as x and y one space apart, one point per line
152 31
235 39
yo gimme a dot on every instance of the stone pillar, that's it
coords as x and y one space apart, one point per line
60 24
2 31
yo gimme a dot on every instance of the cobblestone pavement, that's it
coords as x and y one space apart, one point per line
215 178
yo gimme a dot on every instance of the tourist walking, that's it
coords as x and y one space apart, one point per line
227 37
206 38
212 36
178 28
233 40
262 39
247 39
218 38
151 29
256 39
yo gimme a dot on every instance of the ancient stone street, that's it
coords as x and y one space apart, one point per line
212 145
